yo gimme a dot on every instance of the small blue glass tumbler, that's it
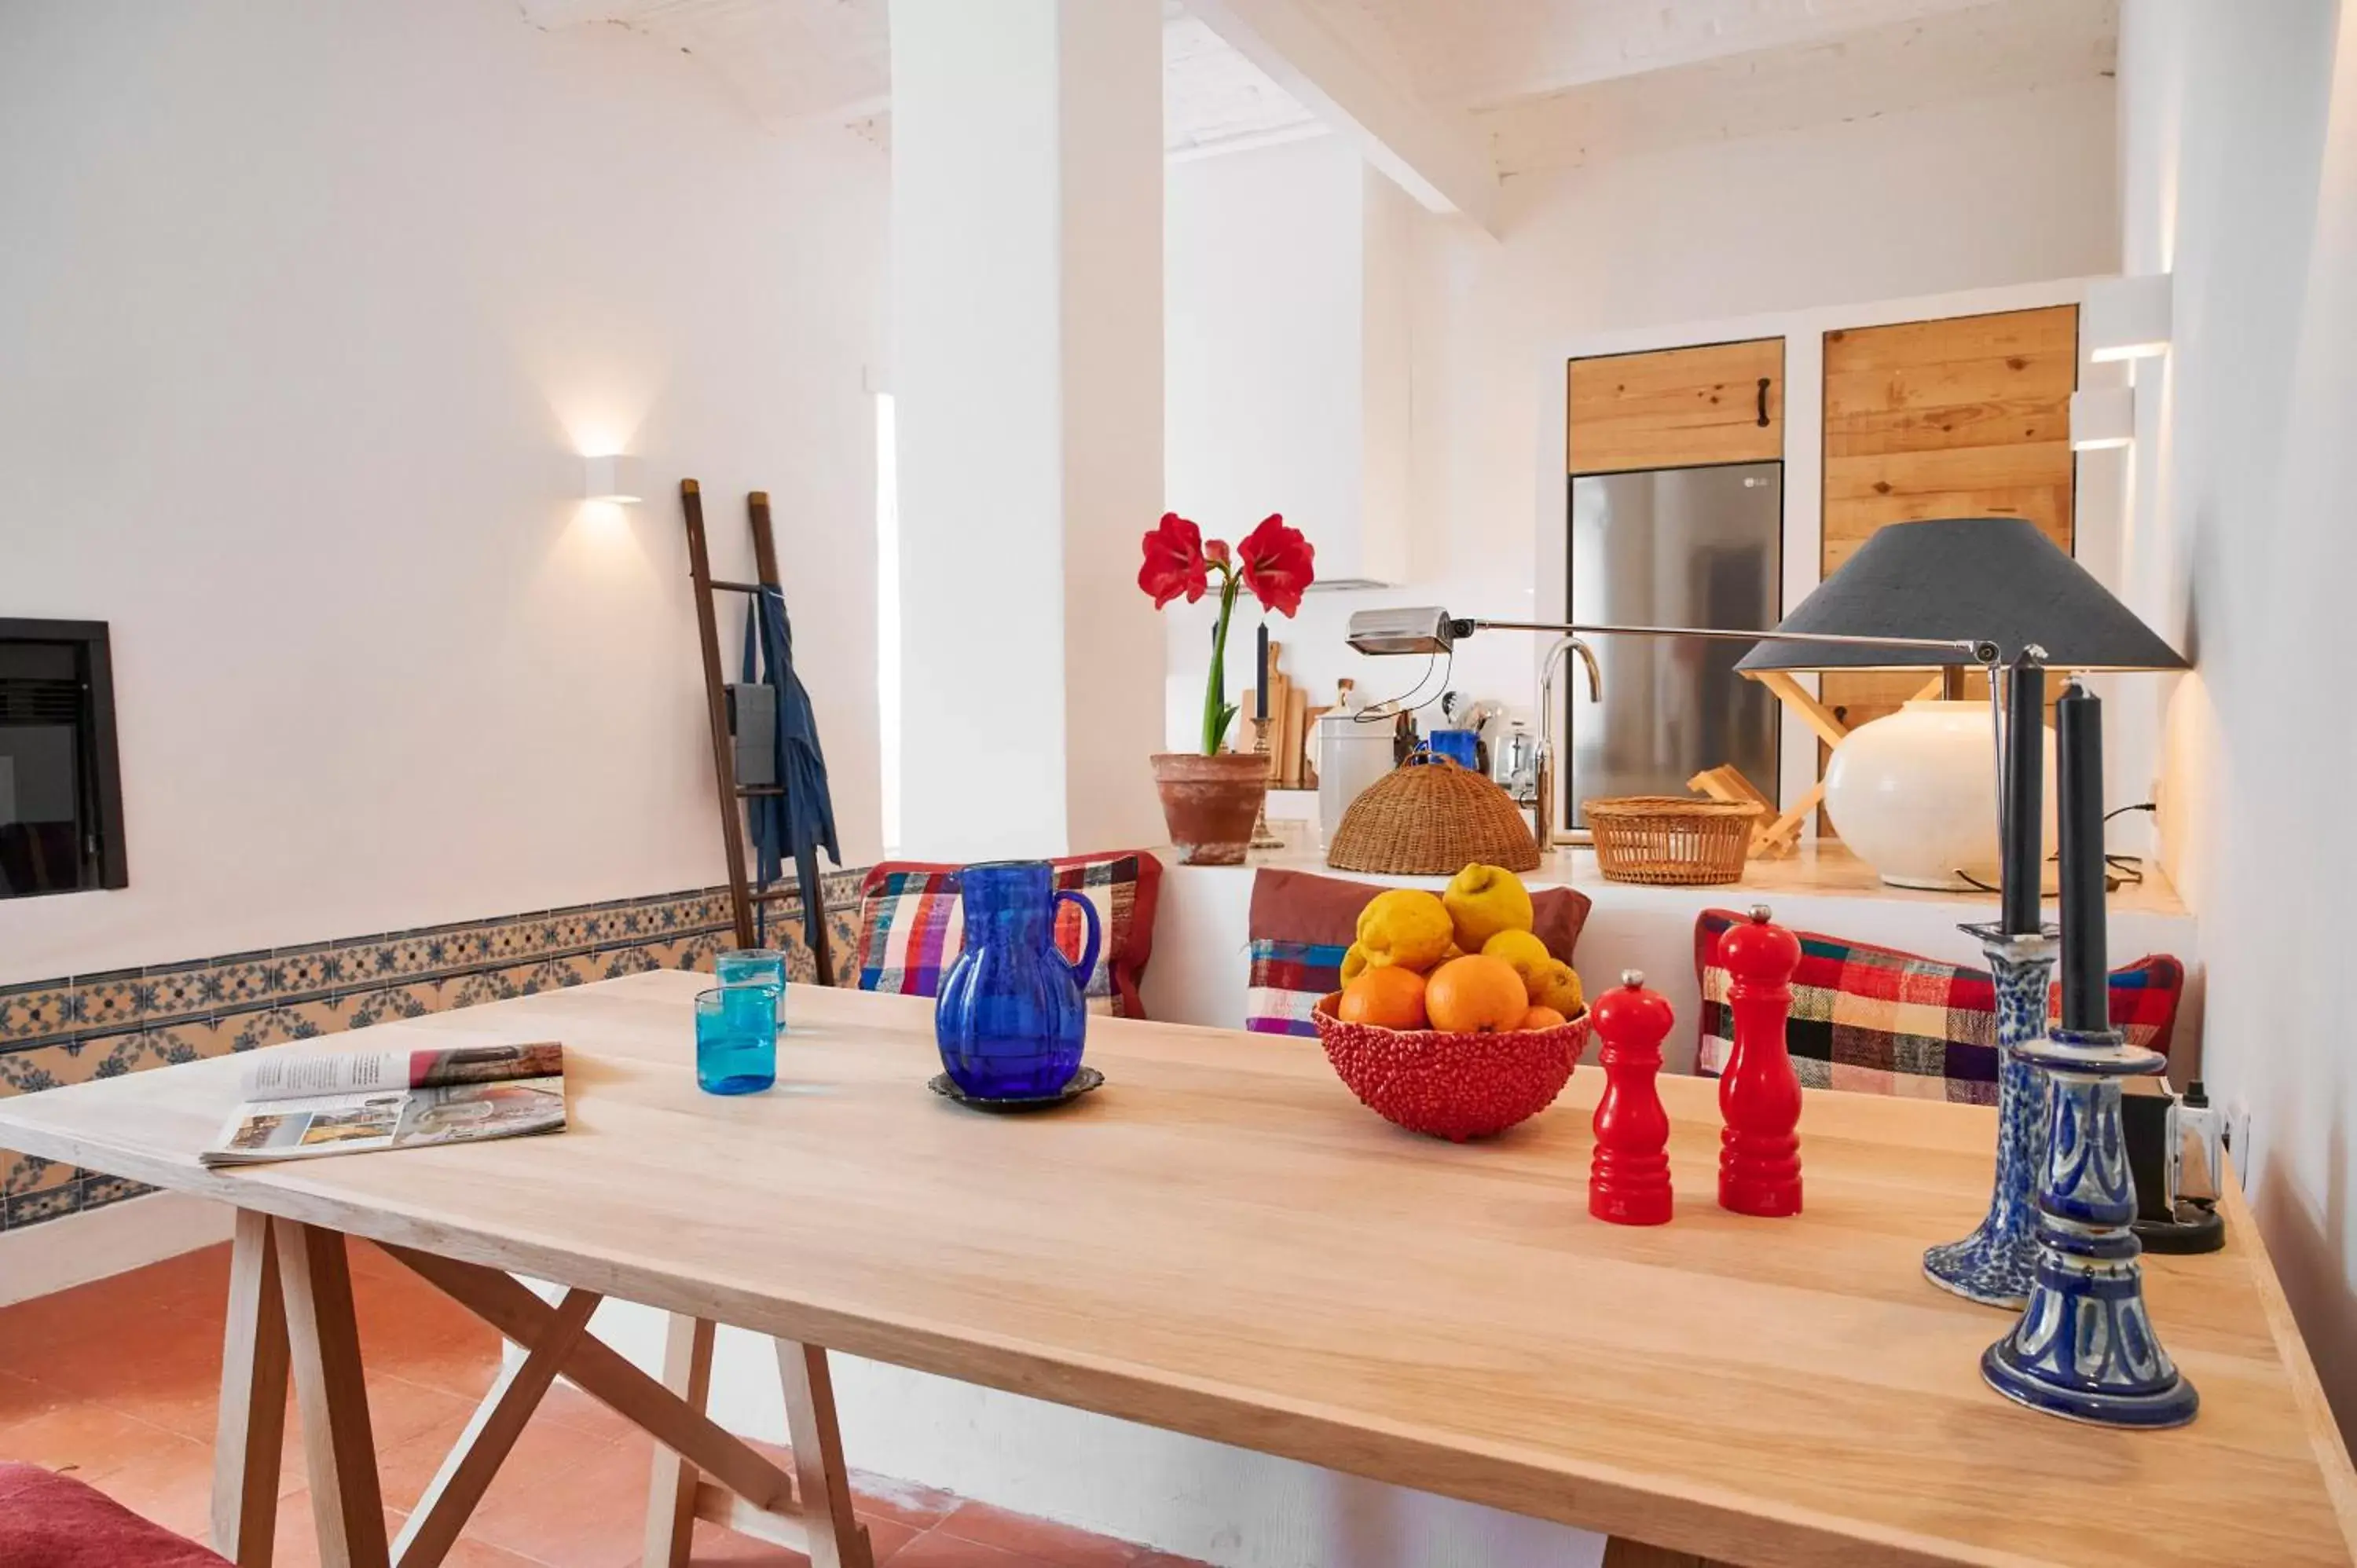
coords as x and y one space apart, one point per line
755 966
736 1039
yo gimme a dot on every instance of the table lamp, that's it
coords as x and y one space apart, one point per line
1914 794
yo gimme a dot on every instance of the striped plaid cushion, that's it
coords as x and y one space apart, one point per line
1883 1022
911 923
1288 979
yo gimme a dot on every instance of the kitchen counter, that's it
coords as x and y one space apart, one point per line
1202 939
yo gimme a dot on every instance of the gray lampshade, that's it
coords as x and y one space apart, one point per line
1993 577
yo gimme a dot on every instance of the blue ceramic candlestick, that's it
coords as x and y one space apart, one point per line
2085 1347
1993 1265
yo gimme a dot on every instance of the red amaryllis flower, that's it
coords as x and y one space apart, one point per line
1216 552
1174 561
1277 564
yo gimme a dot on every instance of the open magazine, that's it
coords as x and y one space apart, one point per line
301 1102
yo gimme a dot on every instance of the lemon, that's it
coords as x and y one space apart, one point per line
1484 900
1527 954
1355 964
1403 926
1558 987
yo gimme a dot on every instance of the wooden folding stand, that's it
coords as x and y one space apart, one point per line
290 1310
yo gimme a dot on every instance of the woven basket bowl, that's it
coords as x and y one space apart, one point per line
1432 818
1451 1086
1670 840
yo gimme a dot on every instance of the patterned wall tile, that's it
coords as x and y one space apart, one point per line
34 1207
277 1025
387 1003
245 979
30 1173
36 1012
470 990
182 990
98 1191
50 1066
115 1001
307 970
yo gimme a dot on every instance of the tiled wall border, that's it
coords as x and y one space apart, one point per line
55 1032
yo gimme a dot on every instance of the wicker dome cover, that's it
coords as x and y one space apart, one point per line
1432 818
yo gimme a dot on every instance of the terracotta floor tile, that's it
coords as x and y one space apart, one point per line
939 1549
566 1497
717 1548
919 1507
1058 1544
569 1406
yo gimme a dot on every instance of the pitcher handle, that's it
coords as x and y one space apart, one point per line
1087 964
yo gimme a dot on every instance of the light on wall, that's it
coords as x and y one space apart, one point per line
2101 417
613 476
2127 318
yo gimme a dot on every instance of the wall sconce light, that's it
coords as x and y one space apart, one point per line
2101 417
613 476
2127 318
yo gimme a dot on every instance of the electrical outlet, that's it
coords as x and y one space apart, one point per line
2236 1133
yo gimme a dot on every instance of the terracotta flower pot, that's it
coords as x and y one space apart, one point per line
1210 803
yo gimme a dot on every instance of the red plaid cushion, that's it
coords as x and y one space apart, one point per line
1883 1022
1302 923
911 924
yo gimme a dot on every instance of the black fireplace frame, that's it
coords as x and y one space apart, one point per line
104 860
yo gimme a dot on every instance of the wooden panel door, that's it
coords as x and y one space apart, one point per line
1677 408
1965 417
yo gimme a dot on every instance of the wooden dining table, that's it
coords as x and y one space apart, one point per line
1223 1241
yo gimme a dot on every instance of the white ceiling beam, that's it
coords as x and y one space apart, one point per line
1437 157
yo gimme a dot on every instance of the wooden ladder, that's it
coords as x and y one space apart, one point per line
742 895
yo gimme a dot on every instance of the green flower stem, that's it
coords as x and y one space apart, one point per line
1216 711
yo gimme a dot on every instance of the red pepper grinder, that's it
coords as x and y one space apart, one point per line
1629 1177
1760 1094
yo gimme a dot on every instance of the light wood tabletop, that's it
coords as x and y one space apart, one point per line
1222 1242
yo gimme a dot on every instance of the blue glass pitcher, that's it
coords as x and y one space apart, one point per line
1013 1010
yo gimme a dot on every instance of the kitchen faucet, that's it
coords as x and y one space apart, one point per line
1543 812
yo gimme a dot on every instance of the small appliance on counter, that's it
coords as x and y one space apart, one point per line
2174 1152
1352 753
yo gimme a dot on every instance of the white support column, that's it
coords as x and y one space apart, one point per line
1027 293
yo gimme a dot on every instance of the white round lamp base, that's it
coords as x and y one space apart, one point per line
1914 796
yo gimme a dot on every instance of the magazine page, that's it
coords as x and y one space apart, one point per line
293 1072
348 1102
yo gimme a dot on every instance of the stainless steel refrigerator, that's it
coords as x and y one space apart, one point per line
1672 547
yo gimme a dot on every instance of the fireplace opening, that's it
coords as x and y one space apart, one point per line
61 787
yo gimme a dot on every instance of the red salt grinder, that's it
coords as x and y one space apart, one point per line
1760 1094
1628 1177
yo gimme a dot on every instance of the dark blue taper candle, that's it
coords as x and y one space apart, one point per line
1260 690
2021 814
2079 780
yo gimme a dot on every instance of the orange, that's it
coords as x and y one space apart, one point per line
1390 996
1475 994
1541 1018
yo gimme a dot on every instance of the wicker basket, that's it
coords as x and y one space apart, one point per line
1432 818
1670 840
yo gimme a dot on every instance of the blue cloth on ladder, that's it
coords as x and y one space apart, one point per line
800 822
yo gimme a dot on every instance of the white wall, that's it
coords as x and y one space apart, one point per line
307 306
1971 195
2239 155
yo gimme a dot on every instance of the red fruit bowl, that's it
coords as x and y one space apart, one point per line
1451 1086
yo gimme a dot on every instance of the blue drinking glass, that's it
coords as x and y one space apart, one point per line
735 1039
754 966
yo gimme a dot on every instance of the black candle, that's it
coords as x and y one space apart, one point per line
2079 779
2021 813
1260 689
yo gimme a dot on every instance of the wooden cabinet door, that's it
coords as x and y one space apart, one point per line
1676 408
1965 417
